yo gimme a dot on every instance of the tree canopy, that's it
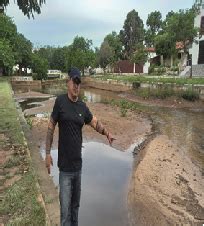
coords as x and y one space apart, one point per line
154 24
105 55
132 33
28 7
115 43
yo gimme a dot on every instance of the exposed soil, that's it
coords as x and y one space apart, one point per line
11 170
166 188
131 128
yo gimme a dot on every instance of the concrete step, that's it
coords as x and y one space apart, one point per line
197 71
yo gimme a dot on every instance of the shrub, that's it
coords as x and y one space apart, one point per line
190 95
151 69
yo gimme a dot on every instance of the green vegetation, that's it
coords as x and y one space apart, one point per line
190 95
20 201
146 79
27 7
9 123
124 106
29 121
14 47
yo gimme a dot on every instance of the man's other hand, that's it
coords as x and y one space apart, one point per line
48 162
110 138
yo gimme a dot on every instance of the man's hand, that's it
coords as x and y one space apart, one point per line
48 162
110 138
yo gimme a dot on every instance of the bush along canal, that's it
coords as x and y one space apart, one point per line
20 198
163 185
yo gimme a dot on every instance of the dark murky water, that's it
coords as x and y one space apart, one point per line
105 179
31 103
106 171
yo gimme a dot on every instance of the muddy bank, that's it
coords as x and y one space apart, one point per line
127 130
166 187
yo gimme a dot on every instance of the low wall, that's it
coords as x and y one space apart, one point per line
26 83
111 85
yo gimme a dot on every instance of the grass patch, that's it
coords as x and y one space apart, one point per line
29 121
13 161
155 93
9 122
125 105
163 93
20 202
157 79
190 95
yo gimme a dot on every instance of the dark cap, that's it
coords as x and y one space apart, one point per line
75 74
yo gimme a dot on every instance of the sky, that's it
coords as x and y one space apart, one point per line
62 20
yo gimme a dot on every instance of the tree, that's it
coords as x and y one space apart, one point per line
132 33
140 55
115 43
183 19
59 59
177 27
105 55
8 30
23 52
47 53
28 7
80 53
6 57
165 45
39 66
154 24
154 21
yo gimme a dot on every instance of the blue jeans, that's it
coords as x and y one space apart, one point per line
70 192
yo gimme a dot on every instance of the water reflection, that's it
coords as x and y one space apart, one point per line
92 97
105 178
31 103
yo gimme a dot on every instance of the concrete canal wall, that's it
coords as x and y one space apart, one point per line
110 85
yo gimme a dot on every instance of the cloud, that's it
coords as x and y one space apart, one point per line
60 21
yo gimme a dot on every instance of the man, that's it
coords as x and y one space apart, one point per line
71 114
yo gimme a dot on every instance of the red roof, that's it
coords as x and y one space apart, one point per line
179 45
151 50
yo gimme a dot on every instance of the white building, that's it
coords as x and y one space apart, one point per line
151 54
197 50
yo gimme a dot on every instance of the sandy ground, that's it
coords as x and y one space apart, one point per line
166 187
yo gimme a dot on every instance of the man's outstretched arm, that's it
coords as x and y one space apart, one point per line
49 140
99 127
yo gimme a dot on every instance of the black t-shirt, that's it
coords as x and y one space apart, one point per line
71 116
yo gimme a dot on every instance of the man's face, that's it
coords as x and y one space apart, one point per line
73 87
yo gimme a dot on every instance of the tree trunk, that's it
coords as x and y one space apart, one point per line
162 60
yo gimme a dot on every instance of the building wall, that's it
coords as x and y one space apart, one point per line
147 64
195 47
125 66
